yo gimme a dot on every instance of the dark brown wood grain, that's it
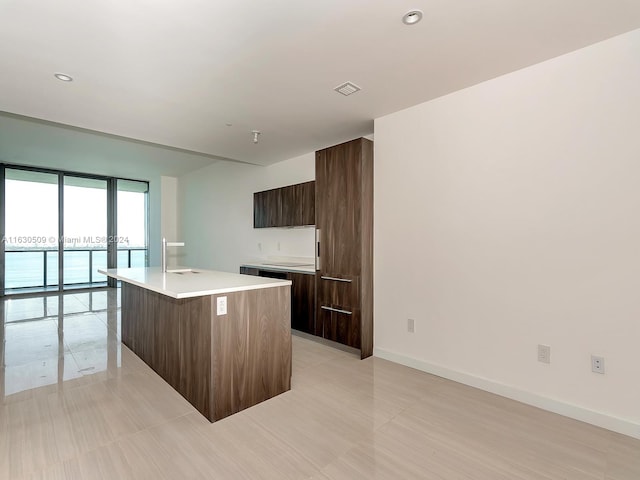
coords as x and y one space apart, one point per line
290 206
259 213
194 316
308 203
338 204
344 293
341 327
251 349
220 363
344 217
267 208
302 301
303 295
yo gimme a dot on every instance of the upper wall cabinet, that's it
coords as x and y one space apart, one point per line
290 206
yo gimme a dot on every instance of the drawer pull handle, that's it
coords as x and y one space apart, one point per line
337 310
346 280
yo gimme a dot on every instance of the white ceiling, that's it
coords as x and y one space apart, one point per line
175 73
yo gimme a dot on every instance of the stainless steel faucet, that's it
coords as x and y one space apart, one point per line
166 244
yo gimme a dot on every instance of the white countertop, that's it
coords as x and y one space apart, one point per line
195 283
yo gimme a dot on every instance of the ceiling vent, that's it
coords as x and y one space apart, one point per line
347 88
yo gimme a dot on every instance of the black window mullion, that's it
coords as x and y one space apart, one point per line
2 228
112 227
60 231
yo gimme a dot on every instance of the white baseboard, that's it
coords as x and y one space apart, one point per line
592 417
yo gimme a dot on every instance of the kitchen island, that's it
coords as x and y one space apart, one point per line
222 340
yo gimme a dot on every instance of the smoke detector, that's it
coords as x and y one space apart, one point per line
347 88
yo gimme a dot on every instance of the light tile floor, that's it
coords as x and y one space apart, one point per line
77 404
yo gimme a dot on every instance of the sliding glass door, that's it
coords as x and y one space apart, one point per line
96 222
85 230
132 217
31 230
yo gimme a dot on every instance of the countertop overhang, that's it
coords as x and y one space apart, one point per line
194 283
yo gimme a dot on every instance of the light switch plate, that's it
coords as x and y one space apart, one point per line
411 325
221 305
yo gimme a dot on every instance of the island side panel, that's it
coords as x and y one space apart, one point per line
195 353
137 321
173 337
251 349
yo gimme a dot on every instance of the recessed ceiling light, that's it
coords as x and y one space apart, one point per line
412 17
63 77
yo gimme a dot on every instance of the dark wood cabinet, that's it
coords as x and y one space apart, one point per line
221 364
344 219
303 299
249 271
267 208
289 206
303 295
308 196
341 325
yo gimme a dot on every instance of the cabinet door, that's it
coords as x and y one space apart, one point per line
308 210
290 206
303 302
298 204
267 208
337 205
259 210
273 207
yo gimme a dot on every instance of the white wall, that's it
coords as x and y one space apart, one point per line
168 214
215 206
155 219
169 208
508 215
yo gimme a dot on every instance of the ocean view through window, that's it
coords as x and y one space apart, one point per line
50 212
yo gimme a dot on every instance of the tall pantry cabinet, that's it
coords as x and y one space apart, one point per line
344 223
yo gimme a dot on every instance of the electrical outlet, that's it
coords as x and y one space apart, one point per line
411 325
221 303
597 364
544 353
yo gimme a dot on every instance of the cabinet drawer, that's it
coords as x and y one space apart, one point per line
340 290
340 324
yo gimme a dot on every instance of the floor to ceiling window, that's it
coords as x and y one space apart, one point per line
96 222
31 230
85 230
132 217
